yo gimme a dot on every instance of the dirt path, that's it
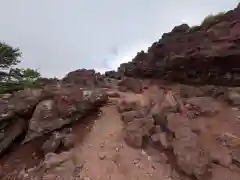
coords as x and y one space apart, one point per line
105 155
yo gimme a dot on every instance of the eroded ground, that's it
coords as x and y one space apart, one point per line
198 140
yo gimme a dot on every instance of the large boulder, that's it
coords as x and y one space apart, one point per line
136 130
62 139
69 105
131 84
15 129
20 103
192 143
84 78
127 105
15 111
205 106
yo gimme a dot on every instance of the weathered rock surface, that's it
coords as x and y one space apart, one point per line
137 123
197 144
41 111
14 113
136 130
63 138
233 97
21 103
84 78
15 129
131 84
193 127
205 106
208 54
126 105
54 166
70 105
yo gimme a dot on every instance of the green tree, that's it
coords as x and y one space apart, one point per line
11 78
8 55
30 74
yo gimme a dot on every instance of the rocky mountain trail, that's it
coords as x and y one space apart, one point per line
172 113
155 134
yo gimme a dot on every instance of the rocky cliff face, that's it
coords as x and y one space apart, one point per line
208 53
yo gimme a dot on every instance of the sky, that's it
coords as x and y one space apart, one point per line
58 36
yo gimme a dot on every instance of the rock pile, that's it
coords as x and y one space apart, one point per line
192 131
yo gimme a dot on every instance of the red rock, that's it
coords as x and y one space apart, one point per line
84 78
207 54
136 130
126 105
131 84
222 173
67 106
206 106
129 116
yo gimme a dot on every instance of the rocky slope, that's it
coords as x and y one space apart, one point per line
139 127
32 113
169 132
205 54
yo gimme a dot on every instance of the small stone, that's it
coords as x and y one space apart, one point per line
22 174
153 166
163 140
102 145
140 166
136 161
155 137
143 153
89 145
235 109
102 155
149 158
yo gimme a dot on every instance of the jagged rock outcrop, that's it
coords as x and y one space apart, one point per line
70 105
15 110
194 132
55 166
84 78
41 111
64 139
198 145
208 54
131 84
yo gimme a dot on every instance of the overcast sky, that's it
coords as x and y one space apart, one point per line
57 36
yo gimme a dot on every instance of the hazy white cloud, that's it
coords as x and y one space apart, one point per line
58 36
